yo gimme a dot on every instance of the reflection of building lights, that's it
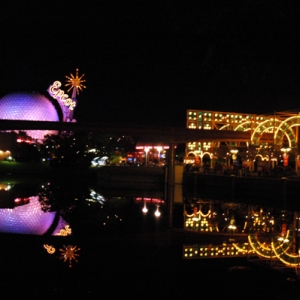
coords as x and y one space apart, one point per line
97 197
157 212
145 209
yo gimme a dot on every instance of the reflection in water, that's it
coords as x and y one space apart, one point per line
21 212
96 197
112 225
50 249
69 253
271 235
62 232
157 202
26 219
217 216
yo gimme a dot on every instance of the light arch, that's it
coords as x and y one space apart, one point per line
263 158
264 127
245 126
285 129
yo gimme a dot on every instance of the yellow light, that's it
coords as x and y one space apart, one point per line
49 249
75 82
69 253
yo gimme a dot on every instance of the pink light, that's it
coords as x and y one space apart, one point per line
30 107
152 200
152 147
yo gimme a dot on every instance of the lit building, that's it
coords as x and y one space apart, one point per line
268 134
152 153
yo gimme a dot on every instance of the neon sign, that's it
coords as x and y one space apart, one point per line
57 93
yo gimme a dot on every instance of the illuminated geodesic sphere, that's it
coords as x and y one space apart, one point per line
29 107
26 219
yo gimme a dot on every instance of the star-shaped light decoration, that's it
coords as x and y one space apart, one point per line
75 82
68 253
63 232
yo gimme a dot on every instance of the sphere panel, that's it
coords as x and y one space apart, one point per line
29 107
26 219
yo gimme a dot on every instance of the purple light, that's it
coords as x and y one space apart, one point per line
29 107
26 219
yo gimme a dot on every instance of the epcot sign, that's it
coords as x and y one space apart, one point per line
57 93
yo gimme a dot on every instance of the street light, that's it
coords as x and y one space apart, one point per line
234 152
232 229
159 148
285 156
146 151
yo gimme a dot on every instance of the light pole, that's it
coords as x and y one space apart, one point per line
158 149
285 155
146 151
234 154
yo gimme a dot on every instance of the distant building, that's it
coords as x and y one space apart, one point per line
271 137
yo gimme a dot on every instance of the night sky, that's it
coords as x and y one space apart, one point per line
147 62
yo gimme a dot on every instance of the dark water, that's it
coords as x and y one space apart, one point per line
121 251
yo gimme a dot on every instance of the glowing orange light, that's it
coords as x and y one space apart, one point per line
69 254
75 82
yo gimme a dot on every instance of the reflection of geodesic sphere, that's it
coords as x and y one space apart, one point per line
26 219
29 107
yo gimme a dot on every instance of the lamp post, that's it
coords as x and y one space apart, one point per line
234 152
146 151
285 155
158 149
234 157
232 229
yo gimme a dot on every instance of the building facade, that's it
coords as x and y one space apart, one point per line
273 138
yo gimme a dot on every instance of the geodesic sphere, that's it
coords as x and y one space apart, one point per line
26 219
29 107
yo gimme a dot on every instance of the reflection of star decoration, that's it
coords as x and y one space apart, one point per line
69 253
75 82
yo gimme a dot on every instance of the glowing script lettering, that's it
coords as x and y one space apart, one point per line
56 93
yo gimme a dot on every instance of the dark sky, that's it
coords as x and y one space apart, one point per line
147 62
